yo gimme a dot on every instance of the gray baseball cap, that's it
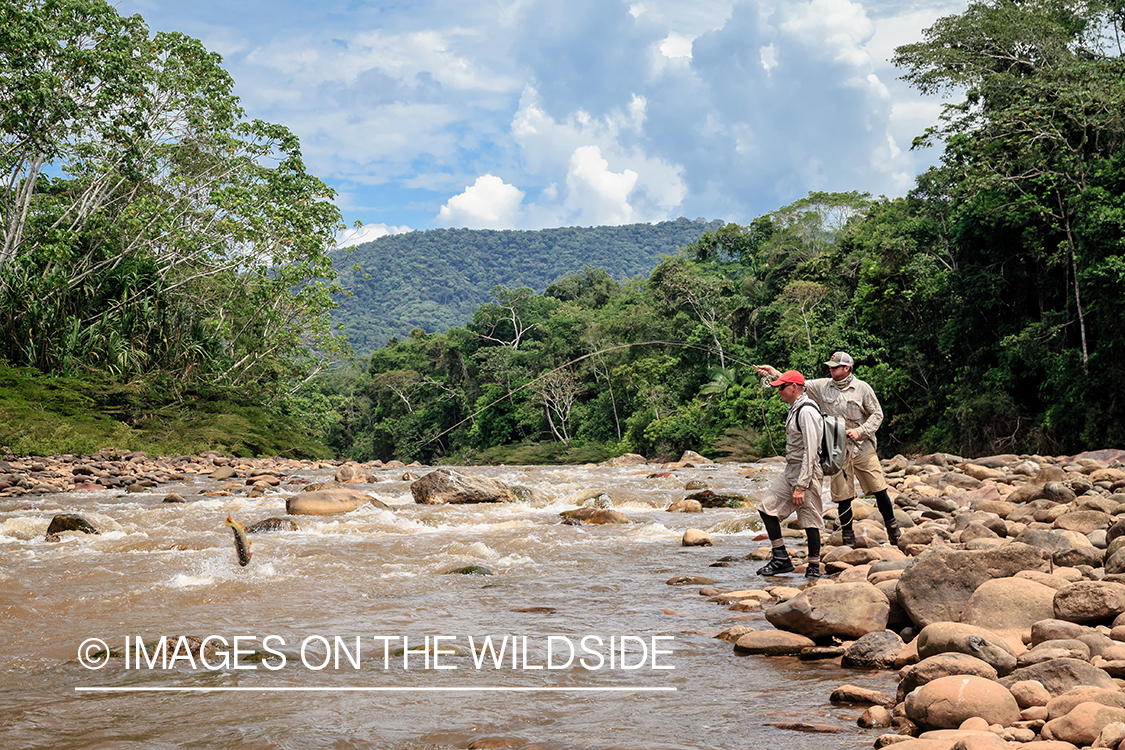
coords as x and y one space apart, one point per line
841 359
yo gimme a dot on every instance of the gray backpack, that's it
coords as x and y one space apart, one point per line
833 441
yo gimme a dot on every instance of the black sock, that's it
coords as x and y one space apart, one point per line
773 529
886 507
773 526
845 513
813 535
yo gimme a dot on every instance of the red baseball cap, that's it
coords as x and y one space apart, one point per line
789 376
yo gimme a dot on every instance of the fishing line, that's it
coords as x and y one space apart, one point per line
613 348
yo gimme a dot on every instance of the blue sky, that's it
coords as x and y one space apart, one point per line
524 114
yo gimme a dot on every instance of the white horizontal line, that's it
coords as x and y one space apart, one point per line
496 689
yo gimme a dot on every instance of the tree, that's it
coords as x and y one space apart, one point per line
558 390
1044 84
144 221
799 300
509 319
678 283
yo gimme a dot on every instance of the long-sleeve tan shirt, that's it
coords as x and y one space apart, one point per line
799 425
856 403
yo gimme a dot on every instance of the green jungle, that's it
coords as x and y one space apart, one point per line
166 281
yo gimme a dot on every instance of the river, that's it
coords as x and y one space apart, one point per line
343 607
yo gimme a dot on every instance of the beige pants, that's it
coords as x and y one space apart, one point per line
778 500
866 468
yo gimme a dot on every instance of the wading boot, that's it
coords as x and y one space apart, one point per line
848 534
778 565
893 532
814 571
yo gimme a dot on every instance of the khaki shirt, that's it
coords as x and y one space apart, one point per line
796 451
857 404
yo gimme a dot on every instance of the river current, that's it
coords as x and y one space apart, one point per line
369 639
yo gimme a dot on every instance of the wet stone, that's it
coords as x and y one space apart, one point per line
70 522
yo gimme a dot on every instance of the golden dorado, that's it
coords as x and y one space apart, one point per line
241 543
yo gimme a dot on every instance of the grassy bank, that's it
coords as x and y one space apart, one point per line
46 416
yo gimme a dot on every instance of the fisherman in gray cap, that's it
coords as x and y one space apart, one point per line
845 395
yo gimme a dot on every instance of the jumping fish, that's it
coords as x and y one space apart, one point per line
241 543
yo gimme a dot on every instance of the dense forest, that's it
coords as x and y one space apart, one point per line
434 280
165 267
154 243
987 307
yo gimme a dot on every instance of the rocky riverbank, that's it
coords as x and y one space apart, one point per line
1002 606
138 472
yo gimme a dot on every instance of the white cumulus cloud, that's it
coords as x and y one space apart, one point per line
367 233
598 195
489 203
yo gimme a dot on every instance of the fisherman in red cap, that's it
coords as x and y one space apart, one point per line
845 395
797 488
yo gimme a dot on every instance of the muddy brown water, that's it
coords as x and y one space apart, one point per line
337 598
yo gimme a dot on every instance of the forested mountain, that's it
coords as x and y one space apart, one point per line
434 280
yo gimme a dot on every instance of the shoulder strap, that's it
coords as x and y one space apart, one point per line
797 413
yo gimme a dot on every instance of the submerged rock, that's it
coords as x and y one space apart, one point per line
272 524
471 570
595 516
70 522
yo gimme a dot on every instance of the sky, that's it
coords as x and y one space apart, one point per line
526 114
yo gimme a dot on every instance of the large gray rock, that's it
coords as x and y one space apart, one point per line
1115 562
944 637
874 651
845 610
1060 675
939 584
446 486
1047 539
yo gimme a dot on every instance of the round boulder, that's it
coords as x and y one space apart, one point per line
845 610
1090 601
328 502
1083 724
938 585
772 643
942 665
946 702
943 637
696 538
1009 607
